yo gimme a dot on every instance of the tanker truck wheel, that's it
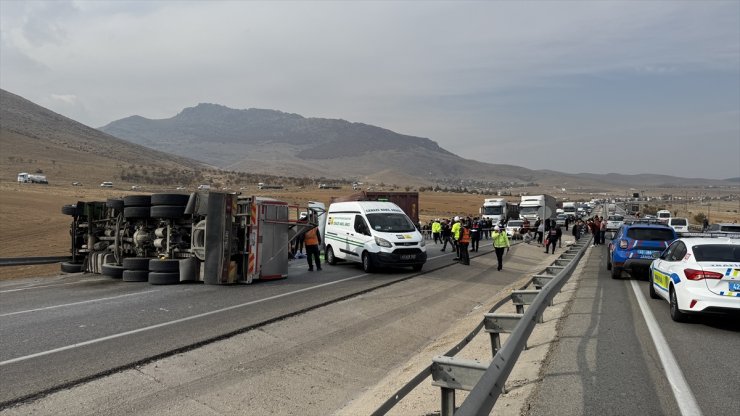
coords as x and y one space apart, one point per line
164 278
135 275
69 210
170 199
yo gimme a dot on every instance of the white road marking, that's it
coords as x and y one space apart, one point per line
52 285
177 321
684 396
76 303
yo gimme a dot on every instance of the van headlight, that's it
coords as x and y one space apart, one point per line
422 243
382 242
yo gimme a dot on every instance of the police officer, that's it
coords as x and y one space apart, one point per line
500 242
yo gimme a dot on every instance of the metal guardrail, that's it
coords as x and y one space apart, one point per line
548 283
30 261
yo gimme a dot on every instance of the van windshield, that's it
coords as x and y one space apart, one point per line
679 221
390 223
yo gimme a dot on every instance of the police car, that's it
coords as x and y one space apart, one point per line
636 244
698 275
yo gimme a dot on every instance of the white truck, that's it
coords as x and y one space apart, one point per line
569 209
535 207
498 210
24 177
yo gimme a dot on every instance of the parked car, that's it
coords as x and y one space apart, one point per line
698 275
106 185
634 247
681 225
613 222
76 183
512 229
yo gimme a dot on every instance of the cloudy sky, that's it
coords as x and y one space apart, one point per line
574 86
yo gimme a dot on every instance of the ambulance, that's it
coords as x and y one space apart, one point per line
374 234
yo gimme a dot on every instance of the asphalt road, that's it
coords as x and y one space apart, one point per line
606 361
56 332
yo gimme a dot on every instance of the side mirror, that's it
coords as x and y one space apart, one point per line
657 255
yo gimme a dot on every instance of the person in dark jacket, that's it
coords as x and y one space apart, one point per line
553 236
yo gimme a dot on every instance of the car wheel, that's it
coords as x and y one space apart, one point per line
616 272
71 267
367 263
676 313
651 289
608 265
329 256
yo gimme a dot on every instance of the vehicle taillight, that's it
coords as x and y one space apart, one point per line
692 274
622 244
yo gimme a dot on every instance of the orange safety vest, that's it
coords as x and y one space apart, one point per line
465 235
310 238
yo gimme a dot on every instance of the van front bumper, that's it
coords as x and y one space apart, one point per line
393 259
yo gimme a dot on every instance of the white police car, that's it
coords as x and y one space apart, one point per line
698 275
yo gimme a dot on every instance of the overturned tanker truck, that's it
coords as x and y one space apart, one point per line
216 238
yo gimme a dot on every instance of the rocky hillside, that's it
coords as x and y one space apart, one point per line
35 139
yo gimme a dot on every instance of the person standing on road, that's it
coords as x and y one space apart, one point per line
500 242
446 235
475 234
602 231
577 230
456 236
540 230
436 231
553 235
463 243
312 239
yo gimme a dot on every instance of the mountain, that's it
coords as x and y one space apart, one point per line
35 139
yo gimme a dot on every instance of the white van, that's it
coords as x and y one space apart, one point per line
664 215
679 225
372 233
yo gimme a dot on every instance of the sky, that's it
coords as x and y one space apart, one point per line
573 86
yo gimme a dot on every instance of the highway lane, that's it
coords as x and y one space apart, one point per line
80 326
606 361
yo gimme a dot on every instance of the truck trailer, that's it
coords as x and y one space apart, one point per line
212 237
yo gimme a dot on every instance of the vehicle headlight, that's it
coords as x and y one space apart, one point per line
382 242
422 243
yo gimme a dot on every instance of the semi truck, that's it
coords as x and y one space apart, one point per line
498 210
213 237
569 209
535 207
24 177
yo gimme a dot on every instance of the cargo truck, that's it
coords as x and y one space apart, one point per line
534 207
498 210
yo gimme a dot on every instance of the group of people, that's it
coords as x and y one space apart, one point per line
597 226
464 235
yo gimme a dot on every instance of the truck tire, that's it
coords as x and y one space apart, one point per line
135 275
170 199
136 263
112 270
114 203
136 212
167 211
68 267
164 278
69 210
164 266
137 200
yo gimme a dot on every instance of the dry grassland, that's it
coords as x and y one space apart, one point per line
31 222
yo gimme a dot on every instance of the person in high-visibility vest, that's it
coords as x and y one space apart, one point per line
500 242
456 236
312 239
436 231
463 243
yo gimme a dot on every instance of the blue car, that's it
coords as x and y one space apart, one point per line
636 245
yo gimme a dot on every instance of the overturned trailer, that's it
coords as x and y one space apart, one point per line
216 238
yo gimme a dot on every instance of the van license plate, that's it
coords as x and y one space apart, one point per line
734 286
408 256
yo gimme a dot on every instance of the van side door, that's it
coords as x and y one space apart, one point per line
359 237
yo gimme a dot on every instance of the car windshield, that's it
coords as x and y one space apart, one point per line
390 223
514 223
529 210
497 210
651 234
561 216
615 218
717 252
679 221
664 215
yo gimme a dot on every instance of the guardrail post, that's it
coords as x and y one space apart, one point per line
451 374
524 297
500 323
